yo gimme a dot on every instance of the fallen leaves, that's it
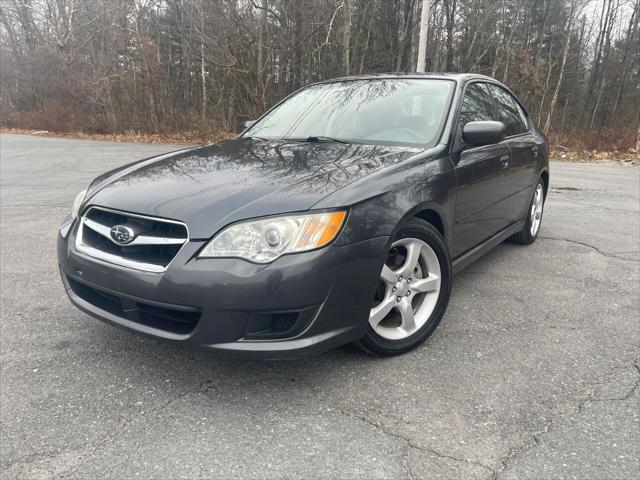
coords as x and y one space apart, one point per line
629 157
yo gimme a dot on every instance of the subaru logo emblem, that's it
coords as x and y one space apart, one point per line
122 234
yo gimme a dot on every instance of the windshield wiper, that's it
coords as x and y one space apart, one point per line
318 139
253 137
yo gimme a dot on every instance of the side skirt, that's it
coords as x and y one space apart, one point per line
475 253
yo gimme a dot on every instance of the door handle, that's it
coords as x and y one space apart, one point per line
535 152
505 161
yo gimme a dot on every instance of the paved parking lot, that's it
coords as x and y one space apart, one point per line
533 373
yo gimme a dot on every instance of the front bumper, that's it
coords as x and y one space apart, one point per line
316 300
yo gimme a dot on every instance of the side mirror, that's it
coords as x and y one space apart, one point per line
249 123
483 133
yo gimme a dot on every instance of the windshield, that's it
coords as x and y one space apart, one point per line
366 111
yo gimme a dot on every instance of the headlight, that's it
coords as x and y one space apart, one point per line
77 203
262 241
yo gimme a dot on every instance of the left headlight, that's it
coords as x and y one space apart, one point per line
262 241
77 203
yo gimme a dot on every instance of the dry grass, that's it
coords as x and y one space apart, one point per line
560 153
607 146
174 138
629 157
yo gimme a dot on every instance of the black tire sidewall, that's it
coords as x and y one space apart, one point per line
416 228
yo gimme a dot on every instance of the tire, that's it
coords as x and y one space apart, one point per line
430 279
531 227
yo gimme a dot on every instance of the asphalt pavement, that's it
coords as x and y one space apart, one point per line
533 372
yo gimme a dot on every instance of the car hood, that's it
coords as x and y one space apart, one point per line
210 187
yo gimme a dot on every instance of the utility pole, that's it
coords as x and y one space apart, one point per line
424 30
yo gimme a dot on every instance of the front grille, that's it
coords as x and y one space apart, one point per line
180 320
142 225
155 243
149 254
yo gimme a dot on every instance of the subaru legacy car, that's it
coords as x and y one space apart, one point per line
338 216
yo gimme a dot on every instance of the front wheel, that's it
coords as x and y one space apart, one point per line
531 227
413 291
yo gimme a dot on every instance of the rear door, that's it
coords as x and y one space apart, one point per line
522 145
482 176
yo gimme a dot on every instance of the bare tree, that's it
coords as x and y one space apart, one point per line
203 65
565 55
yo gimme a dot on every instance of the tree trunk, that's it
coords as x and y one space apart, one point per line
421 64
263 22
372 15
407 34
633 22
450 12
203 76
347 37
593 77
565 55
595 109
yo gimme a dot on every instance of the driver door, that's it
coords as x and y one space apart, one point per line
482 177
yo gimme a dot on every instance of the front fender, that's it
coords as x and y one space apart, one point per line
405 192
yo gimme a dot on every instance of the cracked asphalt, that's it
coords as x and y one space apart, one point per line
533 373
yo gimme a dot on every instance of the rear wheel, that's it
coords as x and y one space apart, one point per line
531 227
413 291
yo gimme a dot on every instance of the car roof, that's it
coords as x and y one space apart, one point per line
459 77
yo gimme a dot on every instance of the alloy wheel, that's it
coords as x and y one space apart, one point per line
408 290
536 210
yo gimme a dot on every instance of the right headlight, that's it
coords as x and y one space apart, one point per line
77 203
262 241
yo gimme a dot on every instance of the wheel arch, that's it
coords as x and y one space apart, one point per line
544 176
431 216
429 212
